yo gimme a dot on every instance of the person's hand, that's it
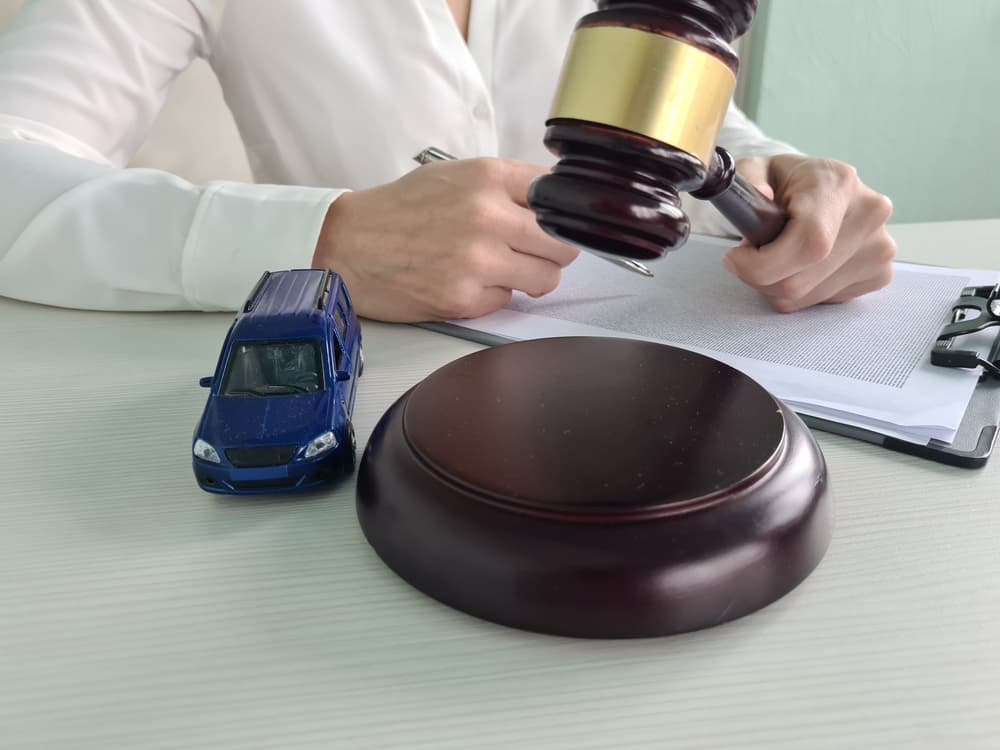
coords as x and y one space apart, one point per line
448 240
835 245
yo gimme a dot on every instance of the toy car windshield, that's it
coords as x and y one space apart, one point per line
274 368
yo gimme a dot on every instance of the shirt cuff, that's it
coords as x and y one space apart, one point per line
241 230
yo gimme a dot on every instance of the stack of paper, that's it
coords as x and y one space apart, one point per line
863 363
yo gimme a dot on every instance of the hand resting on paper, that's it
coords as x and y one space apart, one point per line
450 239
454 239
835 246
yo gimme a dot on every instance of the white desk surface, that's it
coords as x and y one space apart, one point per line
138 612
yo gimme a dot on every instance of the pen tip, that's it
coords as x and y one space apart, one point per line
640 268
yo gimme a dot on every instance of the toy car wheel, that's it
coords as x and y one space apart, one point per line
351 454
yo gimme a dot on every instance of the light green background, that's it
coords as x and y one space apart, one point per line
906 90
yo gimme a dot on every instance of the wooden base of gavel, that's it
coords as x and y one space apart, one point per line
606 487
644 91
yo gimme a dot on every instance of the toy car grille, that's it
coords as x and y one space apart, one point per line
271 455
270 484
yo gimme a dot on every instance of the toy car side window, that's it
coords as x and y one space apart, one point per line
338 352
341 321
340 337
344 298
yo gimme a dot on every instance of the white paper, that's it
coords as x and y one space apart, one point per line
865 362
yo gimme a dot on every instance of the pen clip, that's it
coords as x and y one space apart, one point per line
432 153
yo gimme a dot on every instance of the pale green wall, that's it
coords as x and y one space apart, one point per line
906 90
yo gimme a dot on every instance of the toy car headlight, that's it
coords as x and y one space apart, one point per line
325 442
206 452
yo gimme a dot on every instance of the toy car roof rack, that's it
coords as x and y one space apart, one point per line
323 290
255 292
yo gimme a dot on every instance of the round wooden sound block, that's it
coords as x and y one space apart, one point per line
595 487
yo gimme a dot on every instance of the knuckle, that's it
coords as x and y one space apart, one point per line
791 290
886 250
528 226
846 174
500 299
818 239
881 208
478 261
884 278
481 211
568 255
782 305
547 281
459 301
486 170
753 276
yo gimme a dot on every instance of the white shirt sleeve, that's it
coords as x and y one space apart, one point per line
741 137
80 83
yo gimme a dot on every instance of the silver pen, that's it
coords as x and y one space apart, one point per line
431 154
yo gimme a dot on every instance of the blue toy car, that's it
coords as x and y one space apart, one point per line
278 416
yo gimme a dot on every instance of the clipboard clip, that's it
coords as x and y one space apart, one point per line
976 310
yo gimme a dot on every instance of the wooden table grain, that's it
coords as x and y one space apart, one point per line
138 612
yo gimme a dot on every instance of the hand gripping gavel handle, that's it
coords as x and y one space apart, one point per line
758 218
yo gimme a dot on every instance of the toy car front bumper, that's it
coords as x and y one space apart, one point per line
291 477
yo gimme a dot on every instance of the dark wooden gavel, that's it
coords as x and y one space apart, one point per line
642 98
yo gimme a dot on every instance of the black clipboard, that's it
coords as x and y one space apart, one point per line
977 309
973 443
977 434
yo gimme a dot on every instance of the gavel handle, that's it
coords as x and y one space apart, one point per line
758 218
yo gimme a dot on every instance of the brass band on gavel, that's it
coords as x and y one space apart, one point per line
646 83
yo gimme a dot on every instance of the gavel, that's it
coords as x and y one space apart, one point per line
635 120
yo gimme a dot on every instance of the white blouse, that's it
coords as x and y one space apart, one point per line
328 96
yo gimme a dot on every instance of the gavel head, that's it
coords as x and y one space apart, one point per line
635 120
